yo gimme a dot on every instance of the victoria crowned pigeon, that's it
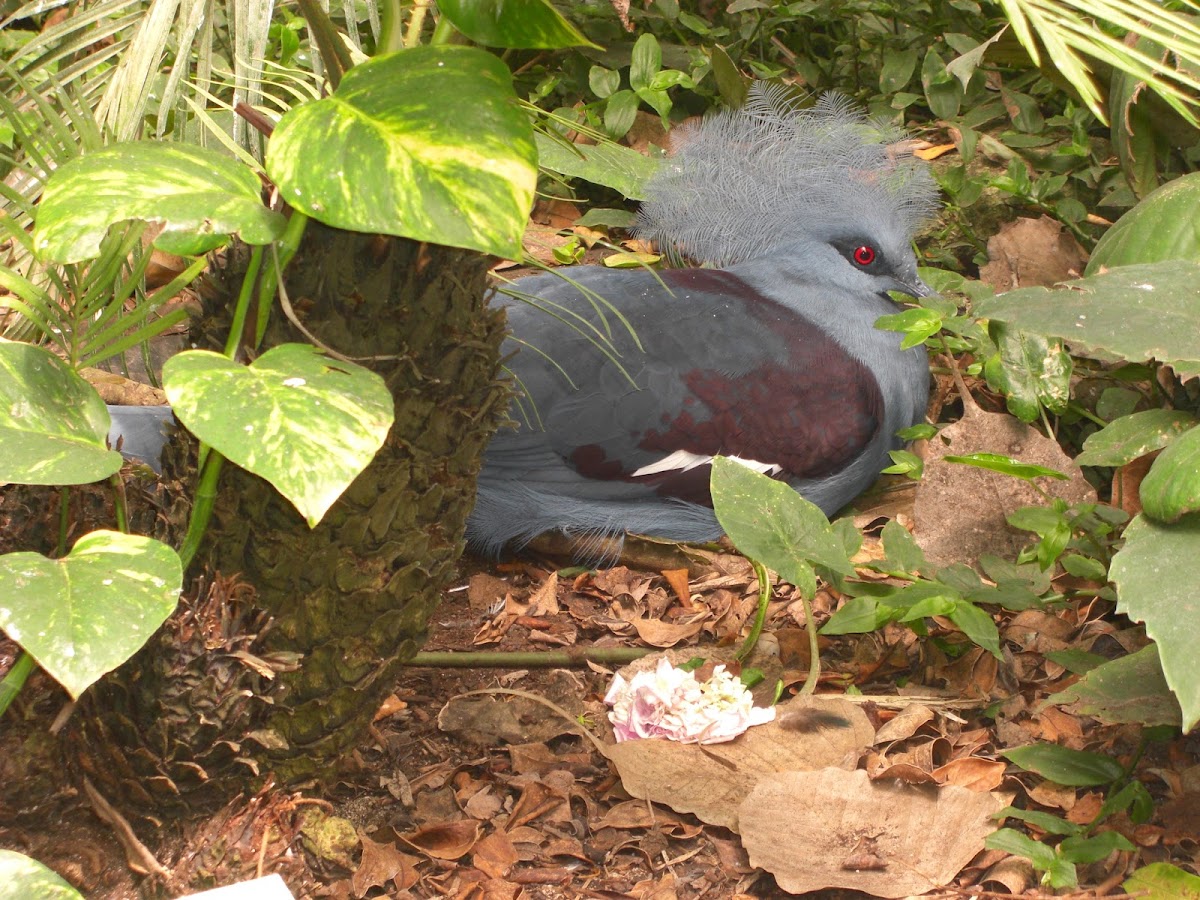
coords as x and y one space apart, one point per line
770 356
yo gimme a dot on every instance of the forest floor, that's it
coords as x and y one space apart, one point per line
494 796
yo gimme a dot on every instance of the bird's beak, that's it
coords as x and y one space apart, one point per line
918 289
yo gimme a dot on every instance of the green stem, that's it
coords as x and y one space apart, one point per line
578 656
243 303
814 651
206 495
391 31
282 253
15 680
119 503
443 31
413 36
760 614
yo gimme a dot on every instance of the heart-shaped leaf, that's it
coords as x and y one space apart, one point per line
52 422
769 522
200 196
426 143
85 614
306 423
532 24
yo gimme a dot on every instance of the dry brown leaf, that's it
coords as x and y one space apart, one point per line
904 725
1032 253
960 510
544 601
972 773
808 828
380 864
446 840
711 782
495 854
657 633
678 580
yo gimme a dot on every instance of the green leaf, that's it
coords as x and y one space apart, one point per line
1125 439
1030 370
1129 689
620 112
22 877
897 70
1171 489
978 626
200 196
1006 465
1138 312
306 423
1011 841
943 93
603 82
53 424
1084 567
769 522
426 143
620 168
523 24
1062 765
916 324
1156 574
1161 227
1162 881
1085 850
860 615
85 614
1043 821
903 555
645 63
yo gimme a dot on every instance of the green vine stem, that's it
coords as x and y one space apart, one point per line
760 614
15 680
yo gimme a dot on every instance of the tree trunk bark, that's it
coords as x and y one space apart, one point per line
350 599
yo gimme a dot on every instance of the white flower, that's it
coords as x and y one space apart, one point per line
669 703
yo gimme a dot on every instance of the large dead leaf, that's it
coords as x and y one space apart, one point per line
960 511
837 829
1032 252
809 733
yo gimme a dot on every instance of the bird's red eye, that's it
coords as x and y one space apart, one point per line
864 255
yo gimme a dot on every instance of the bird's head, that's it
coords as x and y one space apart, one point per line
820 191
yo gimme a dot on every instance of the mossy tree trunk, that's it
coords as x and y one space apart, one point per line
352 597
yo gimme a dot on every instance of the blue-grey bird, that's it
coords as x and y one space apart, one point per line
805 220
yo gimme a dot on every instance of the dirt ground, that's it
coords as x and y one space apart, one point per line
498 796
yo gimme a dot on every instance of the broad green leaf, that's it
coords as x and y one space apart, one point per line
1129 689
53 424
22 878
645 61
1014 842
943 93
1006 465
978 626
620 112
1171 489
200 196
1044 821
306 423
1138 312
611 165
903 554
916 324
1156 574
1062 765
897 70
1085 850
525 24
1162 881
1125 439
1031 371
85 614
859 615
1133 135
1161 227
769 522
426 143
